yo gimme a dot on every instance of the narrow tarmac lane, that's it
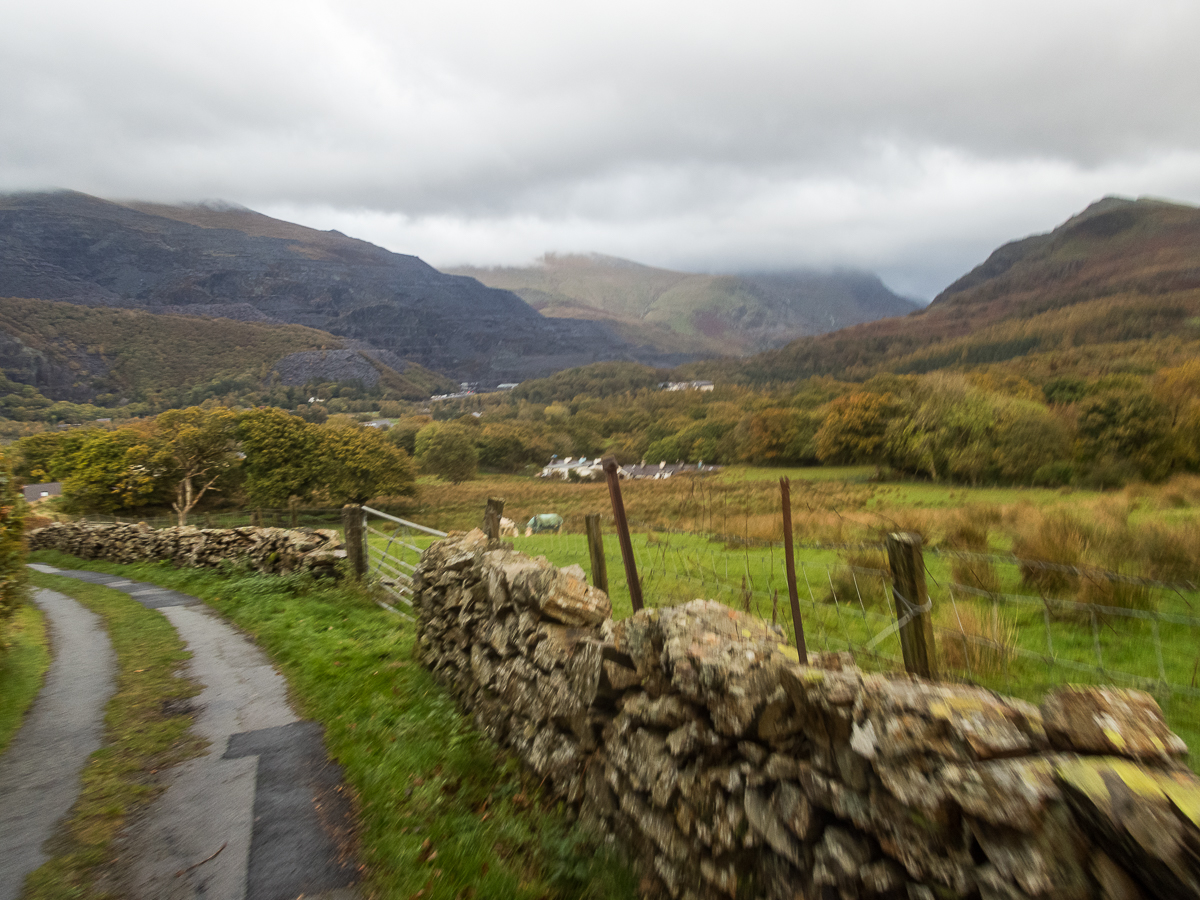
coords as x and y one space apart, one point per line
262 815
39 772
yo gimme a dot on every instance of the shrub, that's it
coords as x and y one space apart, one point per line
975 641
1057 538
862 575
12 550
1098 590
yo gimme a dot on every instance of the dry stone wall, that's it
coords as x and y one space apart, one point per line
694 738
269 550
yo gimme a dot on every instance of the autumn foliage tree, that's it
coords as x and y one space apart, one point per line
201 444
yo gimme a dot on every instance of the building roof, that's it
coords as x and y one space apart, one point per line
35 492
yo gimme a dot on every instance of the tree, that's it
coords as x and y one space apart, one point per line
358 463
12 549
448 449
201 441
855 428
283 456
1119 429
108 471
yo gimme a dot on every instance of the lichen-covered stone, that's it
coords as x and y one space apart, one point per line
1110 722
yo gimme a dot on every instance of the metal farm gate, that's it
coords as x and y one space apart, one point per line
392 549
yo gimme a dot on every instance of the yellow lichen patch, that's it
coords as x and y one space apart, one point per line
1184 792
949 707
1087 776
1115 738
790 653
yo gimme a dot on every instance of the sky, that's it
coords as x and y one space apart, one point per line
910 139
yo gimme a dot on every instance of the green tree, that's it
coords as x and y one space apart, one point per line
855 427
12 548
358 463
283 456
1126 429
201 442
110 471
448 449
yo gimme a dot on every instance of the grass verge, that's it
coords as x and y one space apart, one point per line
443 813
22 666
142 734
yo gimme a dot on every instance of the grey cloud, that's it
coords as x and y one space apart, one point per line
910 137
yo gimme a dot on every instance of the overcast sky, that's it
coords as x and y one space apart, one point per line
908 138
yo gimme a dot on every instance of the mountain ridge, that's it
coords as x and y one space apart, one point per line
72 247
722 313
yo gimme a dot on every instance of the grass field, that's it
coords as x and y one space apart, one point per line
720 538
22 667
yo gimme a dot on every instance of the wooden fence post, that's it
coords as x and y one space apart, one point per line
596 550
491 517
609 464
912 604
294 507
256 517
356 540
789 556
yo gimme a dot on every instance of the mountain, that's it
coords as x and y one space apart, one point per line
712 314
211 257
104 356
1113 289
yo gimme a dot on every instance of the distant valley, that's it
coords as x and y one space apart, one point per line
705 314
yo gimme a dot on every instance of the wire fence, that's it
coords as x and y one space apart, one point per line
1020 626
1014 625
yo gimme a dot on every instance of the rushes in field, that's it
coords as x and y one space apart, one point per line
975 641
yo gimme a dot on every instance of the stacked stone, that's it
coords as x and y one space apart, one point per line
519 641
695 737
270 550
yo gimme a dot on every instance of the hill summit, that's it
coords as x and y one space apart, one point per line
1115 288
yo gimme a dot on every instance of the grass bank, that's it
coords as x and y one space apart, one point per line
444 814
23 664
143 732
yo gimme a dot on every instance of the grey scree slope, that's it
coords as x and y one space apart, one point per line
253 798
39 772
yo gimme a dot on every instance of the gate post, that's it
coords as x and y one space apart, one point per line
596 551
912 604
491 517
356 540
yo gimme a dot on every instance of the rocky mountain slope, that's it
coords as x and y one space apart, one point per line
72 247
102 355
721 314
1114 288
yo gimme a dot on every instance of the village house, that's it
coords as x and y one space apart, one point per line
590 469
36 492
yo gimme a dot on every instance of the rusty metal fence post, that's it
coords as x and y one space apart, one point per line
913 605
789 555
609 464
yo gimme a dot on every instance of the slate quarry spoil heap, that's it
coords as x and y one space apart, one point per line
694 739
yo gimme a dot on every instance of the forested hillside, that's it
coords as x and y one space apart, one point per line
63 362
